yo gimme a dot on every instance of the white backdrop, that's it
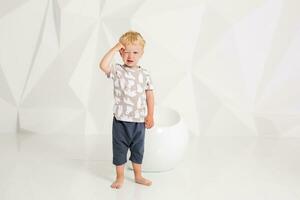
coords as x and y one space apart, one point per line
230 67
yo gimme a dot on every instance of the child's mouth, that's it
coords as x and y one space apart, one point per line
130 61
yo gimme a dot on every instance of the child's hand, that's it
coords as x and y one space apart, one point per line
119 47
149 122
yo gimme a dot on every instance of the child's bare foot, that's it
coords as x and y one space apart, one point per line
143 181
117 184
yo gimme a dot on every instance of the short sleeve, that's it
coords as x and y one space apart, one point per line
112 73
149 83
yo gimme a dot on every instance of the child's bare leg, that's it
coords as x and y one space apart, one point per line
120 177
137 168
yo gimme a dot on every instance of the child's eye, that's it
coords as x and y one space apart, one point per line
135 52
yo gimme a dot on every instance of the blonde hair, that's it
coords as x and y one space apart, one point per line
132 37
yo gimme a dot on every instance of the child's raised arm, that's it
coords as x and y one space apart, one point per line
105 61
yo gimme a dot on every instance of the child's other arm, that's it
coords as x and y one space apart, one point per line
149 121
106 60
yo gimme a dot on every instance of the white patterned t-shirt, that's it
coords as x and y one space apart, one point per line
130 85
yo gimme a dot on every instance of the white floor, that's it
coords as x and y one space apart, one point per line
68 167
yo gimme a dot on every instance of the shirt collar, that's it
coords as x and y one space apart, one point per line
132 68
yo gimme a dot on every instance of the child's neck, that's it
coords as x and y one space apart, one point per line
132 67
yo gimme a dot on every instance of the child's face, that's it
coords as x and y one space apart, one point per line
131 54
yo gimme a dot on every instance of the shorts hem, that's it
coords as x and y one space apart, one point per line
119 163
136 161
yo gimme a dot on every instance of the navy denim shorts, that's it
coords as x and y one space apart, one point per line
127 135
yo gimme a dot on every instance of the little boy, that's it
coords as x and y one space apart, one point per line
134 104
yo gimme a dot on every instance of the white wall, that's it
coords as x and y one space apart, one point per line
229 67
